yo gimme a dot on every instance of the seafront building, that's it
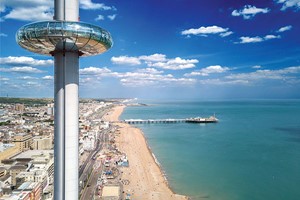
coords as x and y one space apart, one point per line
8 150
26 147
88 141
23 141
42 143
26 170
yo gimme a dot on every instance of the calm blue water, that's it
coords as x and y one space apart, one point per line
253 153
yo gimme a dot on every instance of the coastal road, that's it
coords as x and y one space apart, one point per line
98 147
88 165
99 143
91 187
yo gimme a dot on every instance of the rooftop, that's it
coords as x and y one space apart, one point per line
18 167
33 153
111 191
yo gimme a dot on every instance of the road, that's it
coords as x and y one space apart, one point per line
87 167
89 157
91 187
101 138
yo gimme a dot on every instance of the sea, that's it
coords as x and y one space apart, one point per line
252 153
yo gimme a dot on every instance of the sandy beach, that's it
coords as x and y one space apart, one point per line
146 180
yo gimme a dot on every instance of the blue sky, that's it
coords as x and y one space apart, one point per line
183 49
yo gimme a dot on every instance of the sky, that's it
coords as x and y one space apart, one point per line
166 49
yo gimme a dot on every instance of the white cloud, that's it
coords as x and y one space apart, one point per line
89 5
2 8
256 67
208 70
257 39
99 18
175 64
37 10
140 77
112 17
134 79
251 39
48 77
280 74
226 34
154 58
125 60
27 78
32 14
4 78
90 82
223 82
30 83
23 60
285 28
289 4
249 11
83 81
289 70
288 75
150 71
94 71
21 70
204 31
157 60
94 74
269 37
26 3
3 35
33 10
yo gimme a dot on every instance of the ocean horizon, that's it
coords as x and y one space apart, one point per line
252 153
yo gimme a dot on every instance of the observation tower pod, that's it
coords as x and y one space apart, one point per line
66 40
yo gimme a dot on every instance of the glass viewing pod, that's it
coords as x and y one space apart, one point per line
44 37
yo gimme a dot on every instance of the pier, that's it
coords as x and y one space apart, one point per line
211 119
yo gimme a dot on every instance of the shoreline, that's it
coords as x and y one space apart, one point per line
145 174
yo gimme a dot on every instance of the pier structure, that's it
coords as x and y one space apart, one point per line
66 39
211 119
153 121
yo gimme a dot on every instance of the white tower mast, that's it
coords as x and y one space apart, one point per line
66 80
66 39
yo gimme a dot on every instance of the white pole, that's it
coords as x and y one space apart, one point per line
71 125
72 10
66 79
59 127
66 10
66 125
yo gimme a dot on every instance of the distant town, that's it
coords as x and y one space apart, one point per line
27 157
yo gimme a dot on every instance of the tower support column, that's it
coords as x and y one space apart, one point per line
65 36
66 125
71 125
59 126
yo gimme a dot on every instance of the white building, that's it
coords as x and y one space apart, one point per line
88 141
